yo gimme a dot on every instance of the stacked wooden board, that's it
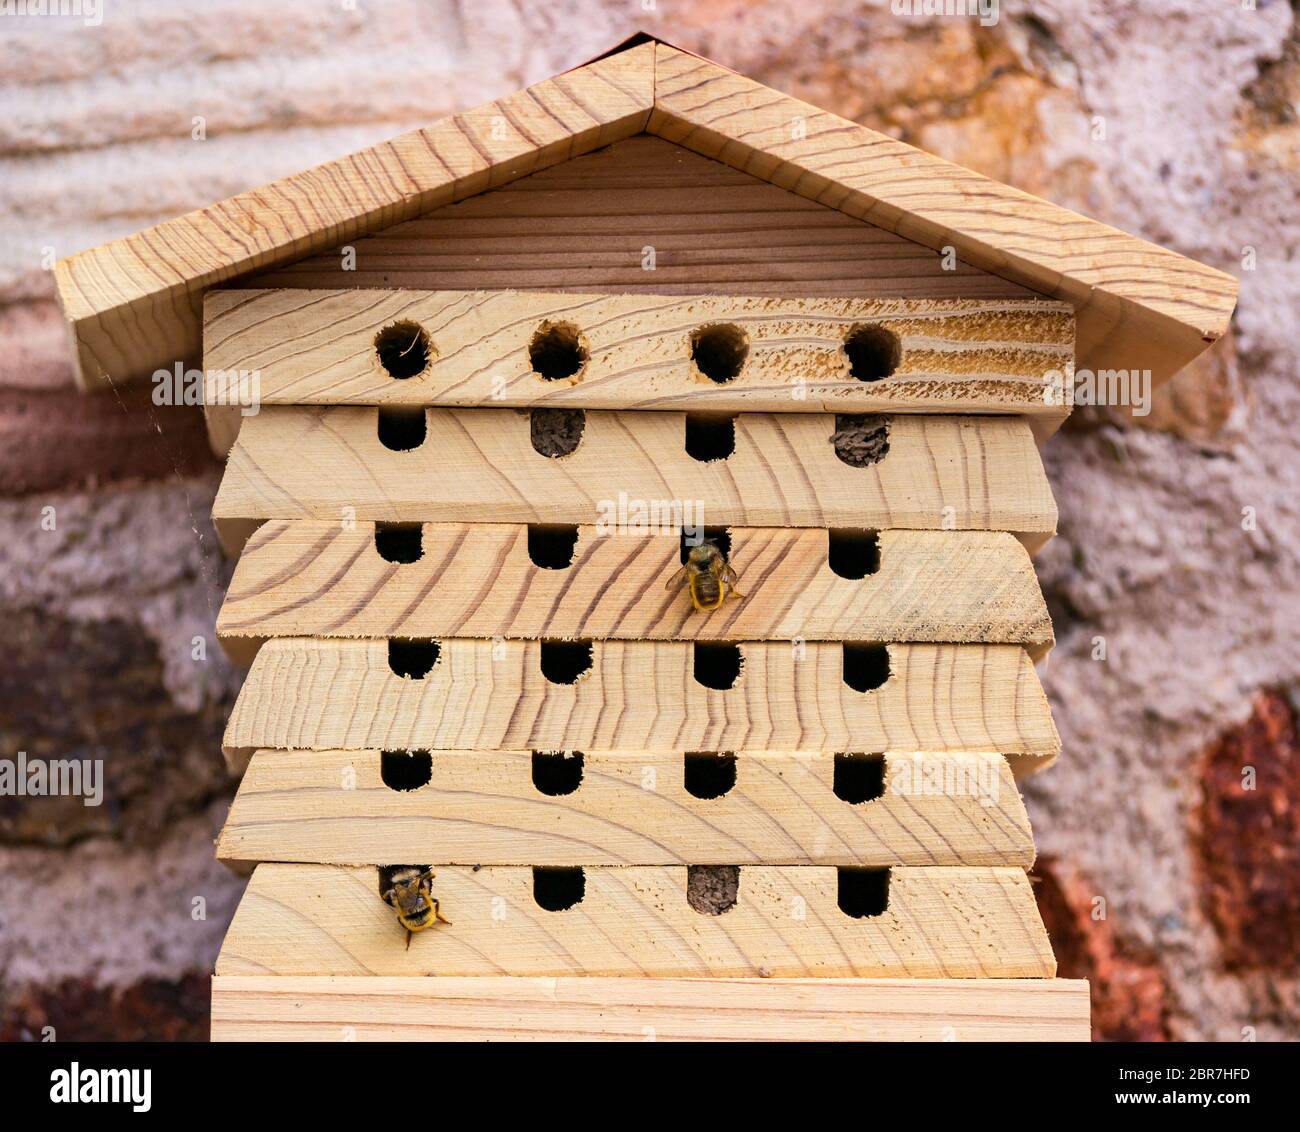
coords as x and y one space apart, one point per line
794 815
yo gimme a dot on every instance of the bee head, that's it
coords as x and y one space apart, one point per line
703 554
406 897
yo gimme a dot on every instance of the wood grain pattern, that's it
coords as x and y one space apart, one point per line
630 808
585 225
134 305
316 579
957 355
786 923
964 473
639 695
501 1008
1138 305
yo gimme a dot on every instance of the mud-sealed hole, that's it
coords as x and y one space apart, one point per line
861 439
556 889
874 352
403 349
859 778
401 430
853 553
710 436
399 542
412 658
556 432
556 773
717 664
564 662
866 667
694 536
712 889
557 351
709 774
405 770
552 547
863 892
719 351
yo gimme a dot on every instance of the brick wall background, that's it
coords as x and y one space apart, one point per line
1164 880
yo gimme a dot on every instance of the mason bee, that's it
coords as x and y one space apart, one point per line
409 891
709 575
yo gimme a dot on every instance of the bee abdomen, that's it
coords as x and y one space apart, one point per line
706 589
417 922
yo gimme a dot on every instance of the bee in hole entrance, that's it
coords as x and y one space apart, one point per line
710 576
410 894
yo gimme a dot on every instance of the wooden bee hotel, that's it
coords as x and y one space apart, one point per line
634 533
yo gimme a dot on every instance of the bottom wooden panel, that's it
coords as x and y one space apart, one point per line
783 922
494 1008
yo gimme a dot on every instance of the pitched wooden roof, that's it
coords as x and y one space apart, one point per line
134 305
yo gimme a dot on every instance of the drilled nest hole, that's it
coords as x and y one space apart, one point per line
404 349
853 553
399 542
874 352
863 892
555 889
565 662
717 665
710 436
859 777
557 351
556 773
412 659
552 547
405 770
709 774
401 430
719 351
866 667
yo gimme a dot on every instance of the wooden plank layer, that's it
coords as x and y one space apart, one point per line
626 808
643 216
955 355
958 473
1139 306
256 1008
134 304
785 923
640 695
311 578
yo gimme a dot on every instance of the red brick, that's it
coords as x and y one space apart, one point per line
54 440
152 1010
1129 1001
1248 841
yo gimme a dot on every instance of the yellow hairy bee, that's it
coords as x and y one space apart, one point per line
410 892
710 576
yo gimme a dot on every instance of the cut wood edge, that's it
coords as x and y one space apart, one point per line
237 760
937 472
309 578
628 808
638 351
492 695
628 1008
